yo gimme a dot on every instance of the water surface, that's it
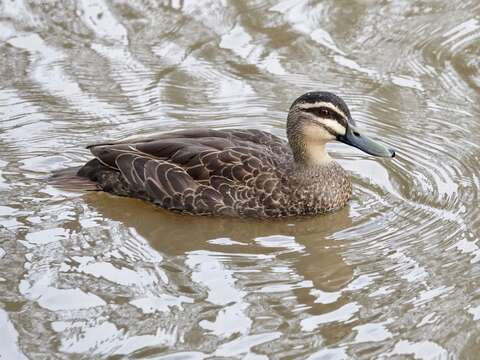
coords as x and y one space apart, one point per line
393 275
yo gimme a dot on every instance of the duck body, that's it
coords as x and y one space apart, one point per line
236 172
218 172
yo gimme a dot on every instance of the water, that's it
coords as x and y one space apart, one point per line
393 275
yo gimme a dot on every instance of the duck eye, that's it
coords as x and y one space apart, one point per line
324 112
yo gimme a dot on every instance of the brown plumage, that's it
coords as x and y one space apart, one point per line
228 172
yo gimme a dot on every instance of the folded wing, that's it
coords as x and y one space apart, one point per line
199 171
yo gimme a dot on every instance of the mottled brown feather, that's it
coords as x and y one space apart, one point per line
216 172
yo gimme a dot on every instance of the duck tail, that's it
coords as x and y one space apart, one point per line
69 180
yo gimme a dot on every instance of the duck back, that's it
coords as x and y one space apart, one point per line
216 172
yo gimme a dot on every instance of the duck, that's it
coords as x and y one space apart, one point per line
235 172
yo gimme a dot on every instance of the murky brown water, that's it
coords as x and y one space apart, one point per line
396 274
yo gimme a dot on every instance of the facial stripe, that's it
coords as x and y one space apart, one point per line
318 132
336 124
330 131
320 114
333 126
320 104
324 112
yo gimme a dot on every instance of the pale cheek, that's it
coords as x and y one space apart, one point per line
317 133
335 126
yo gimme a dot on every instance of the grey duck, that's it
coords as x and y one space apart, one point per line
235 172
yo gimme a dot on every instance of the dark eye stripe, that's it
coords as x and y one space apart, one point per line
330 130
328 113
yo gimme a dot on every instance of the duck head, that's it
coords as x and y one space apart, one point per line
316 118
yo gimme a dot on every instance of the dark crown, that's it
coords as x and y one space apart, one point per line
322 96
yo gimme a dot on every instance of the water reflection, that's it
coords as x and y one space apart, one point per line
393 275
174 235
232 260
238 267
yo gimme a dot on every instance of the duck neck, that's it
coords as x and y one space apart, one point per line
308 152
316 154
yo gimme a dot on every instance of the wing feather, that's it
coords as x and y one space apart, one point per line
200 170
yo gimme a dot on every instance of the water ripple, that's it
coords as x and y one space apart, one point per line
393 274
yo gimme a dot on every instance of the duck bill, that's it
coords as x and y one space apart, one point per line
353 138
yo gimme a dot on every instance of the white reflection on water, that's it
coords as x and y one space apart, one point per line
50 75
99 18
330 354
240 42
131 280
243 345
420 350
39 288
343 314
9 340
100 336
372 332
210 271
